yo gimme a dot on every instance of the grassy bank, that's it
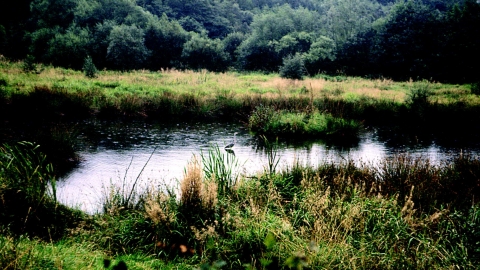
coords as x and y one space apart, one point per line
56 93
44 106
404 213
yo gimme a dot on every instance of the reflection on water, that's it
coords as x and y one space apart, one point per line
117 153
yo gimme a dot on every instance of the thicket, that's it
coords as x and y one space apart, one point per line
366 37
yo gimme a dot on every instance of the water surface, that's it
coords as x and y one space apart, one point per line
118 154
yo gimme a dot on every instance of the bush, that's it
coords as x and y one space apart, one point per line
260 118
419 93
89 68
29 64
293 67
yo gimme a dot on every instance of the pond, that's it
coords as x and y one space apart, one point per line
157 154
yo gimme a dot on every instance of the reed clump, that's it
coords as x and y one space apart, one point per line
28 203
270 122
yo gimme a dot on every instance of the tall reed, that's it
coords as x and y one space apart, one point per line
28 202
222 167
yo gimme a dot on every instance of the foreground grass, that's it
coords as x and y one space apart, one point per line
25 253
404 213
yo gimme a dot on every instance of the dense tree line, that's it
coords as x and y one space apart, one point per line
431 39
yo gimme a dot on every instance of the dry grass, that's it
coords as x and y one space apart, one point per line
192 184
158 208
196 192
210 85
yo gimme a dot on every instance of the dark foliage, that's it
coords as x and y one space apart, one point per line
293 67
89 68
428 39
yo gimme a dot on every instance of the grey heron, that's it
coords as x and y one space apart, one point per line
234 141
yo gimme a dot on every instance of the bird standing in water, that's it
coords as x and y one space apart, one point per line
234 141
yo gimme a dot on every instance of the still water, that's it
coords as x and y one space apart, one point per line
117 154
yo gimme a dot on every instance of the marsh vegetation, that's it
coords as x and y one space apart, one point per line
404 212
343 67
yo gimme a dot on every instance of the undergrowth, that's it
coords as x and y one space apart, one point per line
402 213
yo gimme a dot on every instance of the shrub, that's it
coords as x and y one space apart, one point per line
260 117
293 67
419 94
89 68
29 64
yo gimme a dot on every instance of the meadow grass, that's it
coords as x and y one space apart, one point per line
345 104
318 107
138 89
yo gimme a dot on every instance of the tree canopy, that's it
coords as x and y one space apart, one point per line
420 39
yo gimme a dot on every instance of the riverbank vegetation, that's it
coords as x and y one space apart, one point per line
57 94
47 106
402 213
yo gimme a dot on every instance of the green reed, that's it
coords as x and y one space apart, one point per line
23 168
223 167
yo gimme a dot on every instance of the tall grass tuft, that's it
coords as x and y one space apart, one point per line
198 195
126 196
271 149
25 169
28 202
221 167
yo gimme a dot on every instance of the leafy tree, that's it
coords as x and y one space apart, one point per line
91 13
13 18
293 67
408 41
29 64
40 42
231 43
99 42
3 38
343 20
202 52
68 49
51 13
126 49
461 49
276 33
198 15
320 54
256 53
165 39
357 55
238 20
191 24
